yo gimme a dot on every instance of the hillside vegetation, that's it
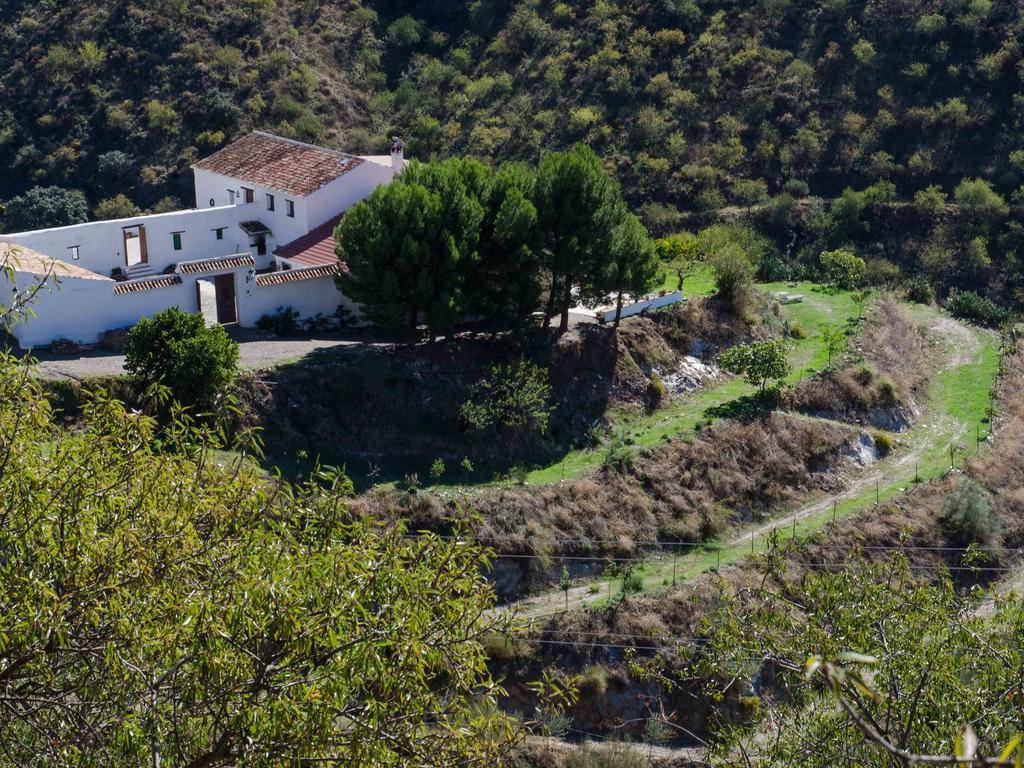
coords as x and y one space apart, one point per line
697 106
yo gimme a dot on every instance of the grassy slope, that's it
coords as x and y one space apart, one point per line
820 310
954 412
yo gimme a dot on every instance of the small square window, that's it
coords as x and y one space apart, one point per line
75 253
250 195
270 202
220 233
290 208
176 239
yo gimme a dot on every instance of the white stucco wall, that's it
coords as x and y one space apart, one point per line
101 243
213 186
308 297
344 192
81 310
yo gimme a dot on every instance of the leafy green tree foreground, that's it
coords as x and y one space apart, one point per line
157 608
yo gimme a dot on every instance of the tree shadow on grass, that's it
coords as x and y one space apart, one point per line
745 407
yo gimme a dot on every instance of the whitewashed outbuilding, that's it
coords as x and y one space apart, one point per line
259 238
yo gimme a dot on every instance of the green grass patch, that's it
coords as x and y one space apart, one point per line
955 412
820 309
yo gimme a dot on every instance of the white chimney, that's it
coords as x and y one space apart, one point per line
397 154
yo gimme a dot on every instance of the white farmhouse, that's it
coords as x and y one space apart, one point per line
259 238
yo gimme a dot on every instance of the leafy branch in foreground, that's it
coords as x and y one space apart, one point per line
160 608
909 669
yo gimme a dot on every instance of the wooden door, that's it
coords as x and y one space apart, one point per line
226 311
143 253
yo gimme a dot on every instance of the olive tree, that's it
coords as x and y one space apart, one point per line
760 362
679 253
870 665
44 207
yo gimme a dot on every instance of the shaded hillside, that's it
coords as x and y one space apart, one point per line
161 83
695 103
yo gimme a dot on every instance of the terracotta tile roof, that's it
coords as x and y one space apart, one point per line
282 164
313 249
34 263
146 284
212 265
294 275
254 228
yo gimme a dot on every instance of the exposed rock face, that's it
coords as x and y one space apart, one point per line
896 418
861 451
689 375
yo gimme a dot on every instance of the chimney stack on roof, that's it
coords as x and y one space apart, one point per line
397 154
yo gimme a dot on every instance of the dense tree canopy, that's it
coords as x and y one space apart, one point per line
456 239
910 660
579 207
43 207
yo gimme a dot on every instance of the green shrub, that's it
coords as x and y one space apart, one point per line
657 392
887 392
967 516
632 582
796 331
843 268
617 453
864 375
514 397
920 291
734 275
968 305
177 349
437 469
883 443
760 362
593 682
283 322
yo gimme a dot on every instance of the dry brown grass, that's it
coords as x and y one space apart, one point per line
910 523
683 490
880 391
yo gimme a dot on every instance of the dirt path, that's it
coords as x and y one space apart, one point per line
657 755
960 346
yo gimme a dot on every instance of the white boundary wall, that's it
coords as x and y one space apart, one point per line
636 308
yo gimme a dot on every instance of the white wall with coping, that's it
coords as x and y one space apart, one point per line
308 297
81 309
101 243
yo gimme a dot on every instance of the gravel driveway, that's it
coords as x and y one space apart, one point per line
255 350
